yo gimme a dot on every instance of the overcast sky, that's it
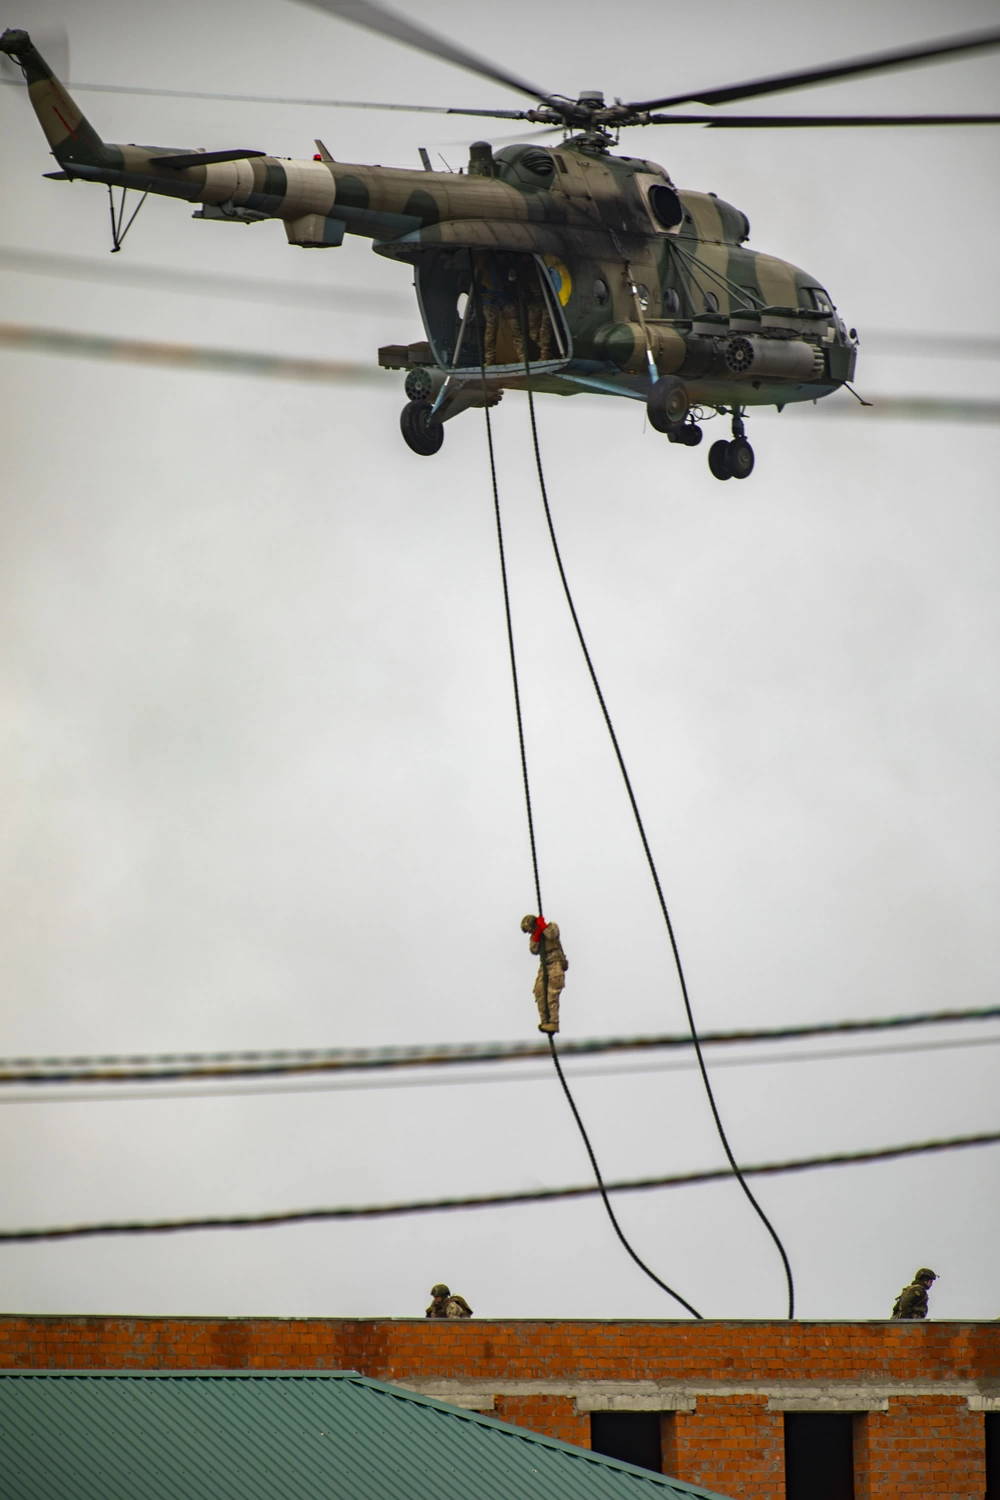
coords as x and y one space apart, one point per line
261 774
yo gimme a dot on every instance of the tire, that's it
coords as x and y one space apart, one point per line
691 435
718 459
740 458
667 404
422 433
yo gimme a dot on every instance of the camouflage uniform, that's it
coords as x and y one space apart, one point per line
551 976
501 320
912 1300
534 312
447 1304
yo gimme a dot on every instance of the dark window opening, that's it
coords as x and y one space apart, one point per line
991 1422
819 1456
668 210
632 1436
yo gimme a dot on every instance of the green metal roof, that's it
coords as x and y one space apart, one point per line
311 1435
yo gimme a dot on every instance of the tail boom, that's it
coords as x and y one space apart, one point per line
67 130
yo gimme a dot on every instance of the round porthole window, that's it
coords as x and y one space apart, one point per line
671 302
711 302
667 208
601 294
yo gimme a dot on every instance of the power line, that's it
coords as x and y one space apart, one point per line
165 1066
65 342
296 293
200 283
492 1200
537 1075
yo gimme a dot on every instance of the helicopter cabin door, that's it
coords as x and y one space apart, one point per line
491 309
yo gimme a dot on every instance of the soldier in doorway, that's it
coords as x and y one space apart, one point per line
497 278
533 314
552 966
912 1300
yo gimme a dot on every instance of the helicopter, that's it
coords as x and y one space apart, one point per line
562 269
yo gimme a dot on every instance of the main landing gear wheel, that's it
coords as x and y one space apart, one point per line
731 460
422 432
718 459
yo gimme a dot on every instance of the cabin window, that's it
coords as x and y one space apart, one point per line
671 302
642 292
711 302
601 293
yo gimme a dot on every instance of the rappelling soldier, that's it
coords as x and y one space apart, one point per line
447 1304
912 1300
552 966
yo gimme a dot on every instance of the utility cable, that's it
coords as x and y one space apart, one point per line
531 827
163 1089
653 871
162 1067
491 1200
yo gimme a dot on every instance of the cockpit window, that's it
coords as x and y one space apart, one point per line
818 299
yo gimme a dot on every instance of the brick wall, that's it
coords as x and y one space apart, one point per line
919 1389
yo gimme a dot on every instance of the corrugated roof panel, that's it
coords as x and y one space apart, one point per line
258 1435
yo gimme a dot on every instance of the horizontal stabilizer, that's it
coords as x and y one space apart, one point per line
202 158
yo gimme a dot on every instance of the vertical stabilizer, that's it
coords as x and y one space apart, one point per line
69 133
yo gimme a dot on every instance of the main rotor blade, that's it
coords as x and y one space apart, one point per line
768 122
423 109
876 62
387 23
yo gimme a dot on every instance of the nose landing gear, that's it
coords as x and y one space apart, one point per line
735 459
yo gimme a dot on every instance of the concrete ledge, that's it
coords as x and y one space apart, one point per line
658 1401
855 1401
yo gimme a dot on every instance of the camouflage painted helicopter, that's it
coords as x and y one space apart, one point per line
565 269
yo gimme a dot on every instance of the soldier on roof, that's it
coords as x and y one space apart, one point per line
912 1300
446 1303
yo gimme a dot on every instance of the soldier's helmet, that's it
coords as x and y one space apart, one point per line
440 1290
925 1275
528 922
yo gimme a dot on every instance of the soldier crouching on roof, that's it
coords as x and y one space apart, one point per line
552 966
447 1304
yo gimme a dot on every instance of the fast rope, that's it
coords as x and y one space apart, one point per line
720 1129
538 887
